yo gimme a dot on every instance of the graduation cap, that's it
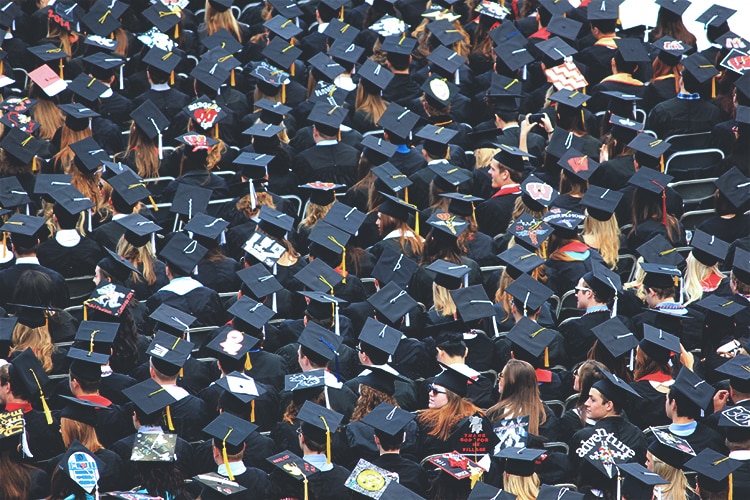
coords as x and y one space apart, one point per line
346 51
483 491
472 303
399 44
532 338
658 250
206 226
659 344
398 209
564 27
449 274
492 10
119 267
715 16
150 119
80 410
330 242
319 276
339 30
264 248
321 341
733 185
446 60
631 50
163 60
8 14
555 7
669 448
89 156
392 177
393 302
11 425
183 253
77 116
547 492
537 194
24 228
456 378
271 111
708 249
281 52
163 18
325 66
103 43
318 423
520 461
97 336
735 423
570 98
269 74
169 353
287 8
675 6
154 447
615 337
603 10
205 112
519 260
241 386
457 465
603 281
325 305
650 180
561 141
344 217
529 232
694 388
12 193
261 283
740 265
614 388
129 187
445 32
671 50
27 372
138 229
713 469
448 223
388 419
103 17
81 466
229 433
436 140
327 116
601 203
727 308
394 266
624 129
661 276
738 370
379 336
218 484
173 320
389 26
381 378
47 80
328 93
638 481
368 480
294 466
322 193
698 67
578 164
7 325
555 50
224 40
652 149
564 222
189 200
511 157
214 68
377 75
398 120
283 27
461 204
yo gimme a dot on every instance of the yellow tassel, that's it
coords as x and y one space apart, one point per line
231 79
291 70
304 482
170 425
473 212
248 363
47 413
661 163
416 222
171 78
341 17
62 75
713 88
224 455
283 93
546 357
2 67
328 440
730 493
153 203
85 312
216 131
34 165
583 119
182 373
406 195
252 411
176 31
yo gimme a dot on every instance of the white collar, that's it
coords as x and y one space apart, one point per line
345 82
107 93
182 285
237 469
27 260
743 455
331 381
507 127
396 233
435 162
327 142
322 27
119 216
318 460
68 237
176 392
160 87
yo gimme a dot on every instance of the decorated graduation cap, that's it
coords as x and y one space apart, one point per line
229 433
638 481
734 423
675 6
738 370
614 388
733 185
11 428
19 120
183 253
456 378
529 232
393 302
564 222
169 353
670 449
322 193
318 423
47 80
82 467
205 112
601 203
578 164
457 466
659 344
492 10
394 266
370 481
520 461
714 470
242 387
532 338
520 260
447 223
398 121
537 194
26 371
707 248
670 50
233 344
154 447
294 466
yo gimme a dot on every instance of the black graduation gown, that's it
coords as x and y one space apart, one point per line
567 202
170 102
598 60
408 163
108 234
535 143
71 262
266 405
564 275
401 89
405 392
578 335
705 437
614 174
44 440
202 302
658 91
480 248
142 289
111 470
623 212
421 283
680 116
327 485
649 409
219 275
254 480
183 451
116 108
335 163
599 100
410 473
624 431
9 279
357 441
569 424
728 230
494 214
650 228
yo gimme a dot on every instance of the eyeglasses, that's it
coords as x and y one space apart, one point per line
299 431
435 391
582 289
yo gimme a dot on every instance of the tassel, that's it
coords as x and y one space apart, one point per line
632 359
730 493
2 67
328 440
283 93
34 165
416 222
5 245
304 482
341 16
546 357
661 163
406 195
176 31
62 75
231 78
171 78
85 312
664 207
291 70
713 88
248 363
47 413
170 425
216 131
91 216
224 454
273 302
252 411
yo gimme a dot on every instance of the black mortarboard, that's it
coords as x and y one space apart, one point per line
676 6
398 120
578 164
645 144
694 388
738 370
713 469
381 378
392 301
205 113
89 89
94 339
82 467
319 276
564 27
206 226
26 371
397 208
327 115
80 410
615 336
260 280
632 50
555 50
344 217
12 193
212 73
162 60
603 10
388 419
322 193
520 461
283 27
699 68
162 17
650 180
138 229
555 7
661 276
394 266
638 481
189 200
320 340
456 378
520 260
286 8
740 265
671 50
603 280
446 59
173 320
399 44
49 53
325 66
380 336
23 225
483 491
339 30
715 16
218 484
89 155
149 396
230 432
445 32
7 325
169 353
150 119
669 448
224 40
601 203
8 13
614 388
391 176
564 222
659 344
129 187
515 56
378 75
449 274
293 465
318 423
472 303
103 17
658 250
623 129
281 53
733 184
531 336
272 112
563 140
435 134
571 98
529 232
183 253
343 50
242 386
117 266
707 248
511 157
529 292
326 239
461 204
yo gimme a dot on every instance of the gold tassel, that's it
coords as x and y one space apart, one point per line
231 78
583 120
416 222
343 257
252 411
170 425
713 88
47 413
473 212
283 93
730 493
176 31
153 203
304 482
34 165
85 312
224 454
291 70
661 163
2 67
182 373
406 194
62 76
328 440
546 357
216 131
171 78
248 363
341 16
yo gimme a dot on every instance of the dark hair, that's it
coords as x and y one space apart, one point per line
377 356
624 66
399 62
604 25
388 442
65 219
325 12
647 205
685 406
315 358
87 386
163 479
722 205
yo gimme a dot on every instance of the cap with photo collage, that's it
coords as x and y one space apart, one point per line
537 194
707 248
446 62
519 260
555 50
138 229
183 253
319 424
714 470
616 337
601 203
394 266
492 10
392 302
25 371
229 433
638 481
398 121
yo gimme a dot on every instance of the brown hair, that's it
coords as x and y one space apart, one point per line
38 339
520 395
49 117
72 430
146 153
216 21
143 255
388 224
646 365
373 105
442 421
63 160
369 398
16 476
293 408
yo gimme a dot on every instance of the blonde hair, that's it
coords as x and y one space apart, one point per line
372 105
483 156
63 160
637 282
143 255
38 339
525 488
49 117
282 135
146 153
443 300
216 21
72 430
695 274
520 208
678 486
262 198
314 213
603 236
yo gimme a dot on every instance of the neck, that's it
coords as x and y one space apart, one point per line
676 419
400 71
386 452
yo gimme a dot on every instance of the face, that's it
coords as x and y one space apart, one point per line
438 396
379 223
4 393
649 461
501 381
498 174
576 381
98 276
595 406
582 294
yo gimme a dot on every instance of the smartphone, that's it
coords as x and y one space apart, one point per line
536 118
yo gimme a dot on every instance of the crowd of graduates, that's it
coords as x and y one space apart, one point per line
372 249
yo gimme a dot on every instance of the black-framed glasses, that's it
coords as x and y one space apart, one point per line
435 391
582 289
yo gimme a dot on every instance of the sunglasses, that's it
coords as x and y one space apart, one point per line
435 391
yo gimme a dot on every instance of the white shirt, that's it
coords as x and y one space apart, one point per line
237 468
160 87
327 142
27 260
176 392
181 286
68 237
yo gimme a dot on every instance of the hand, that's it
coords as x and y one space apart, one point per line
603 153
547 124
686 358
720 400
527 125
